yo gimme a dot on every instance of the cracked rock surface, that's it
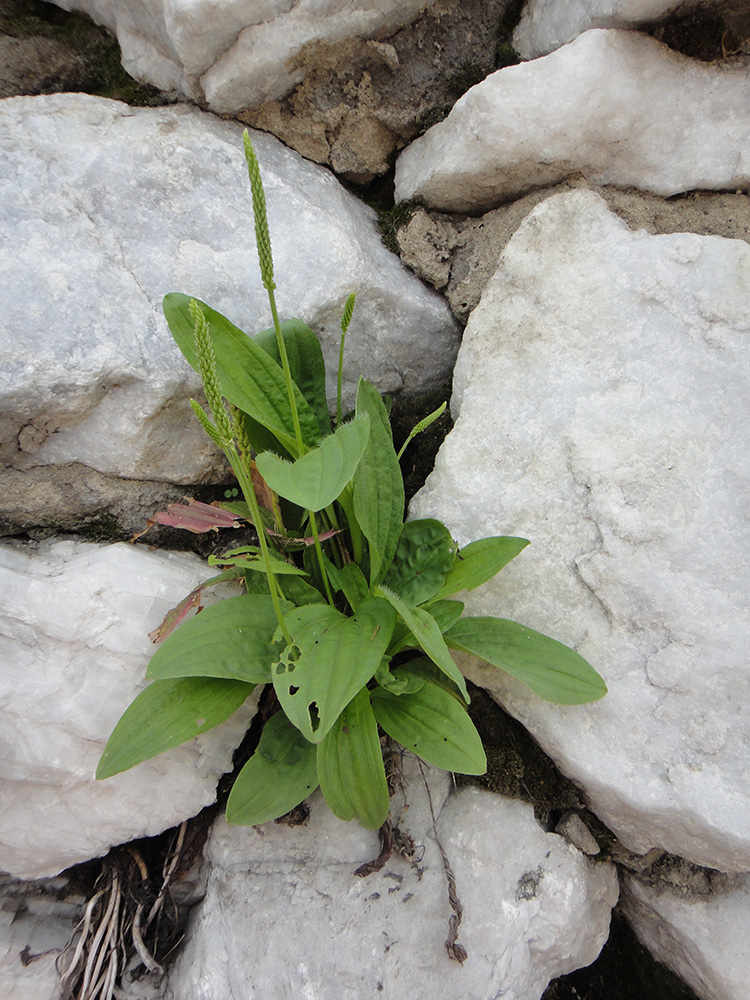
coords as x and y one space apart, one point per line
601 402
284 915
235 53
616 106
118 206
706 941
74 642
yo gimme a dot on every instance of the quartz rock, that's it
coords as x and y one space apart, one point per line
706 941
545 25
235 53
533 907
601 399
74 637
105 209
659 121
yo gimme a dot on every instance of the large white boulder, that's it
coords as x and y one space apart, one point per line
706 941
106 208
74 646
602 398
285 915
615 106
236 53
545 25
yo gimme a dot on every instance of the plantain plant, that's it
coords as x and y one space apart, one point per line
347 610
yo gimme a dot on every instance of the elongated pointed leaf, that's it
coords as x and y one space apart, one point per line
350 580
331 657
434 726
445 613
166 714
552 670
231 639
479 561
423 557
378 483
280 774
426 632
248 375
305 363
350 766
315 480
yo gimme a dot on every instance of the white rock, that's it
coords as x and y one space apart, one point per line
705 941
602 397
105 209
616 106
545 25
285 916
74 646
236 53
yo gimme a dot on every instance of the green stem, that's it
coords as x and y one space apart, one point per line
248 489
321 560
287 371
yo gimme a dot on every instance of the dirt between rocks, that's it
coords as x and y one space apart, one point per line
458 254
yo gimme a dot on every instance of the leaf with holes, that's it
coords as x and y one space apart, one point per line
280 774
434 725
350 766
330 658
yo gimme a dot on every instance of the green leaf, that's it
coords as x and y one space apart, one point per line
400 681
378 484
166 714
305 363
299 591
350 580
248 375
280 774
434 726
231 639
423 669
426 632
445 613
350 766
424 555
479 561
330 658
552 670
315 480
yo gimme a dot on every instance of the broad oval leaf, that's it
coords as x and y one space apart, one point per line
316 479
378 484
330 658
423 556
479 561
427 636
281 773
248 375
305 363
552 670
231 639
350 766
434 725
166 714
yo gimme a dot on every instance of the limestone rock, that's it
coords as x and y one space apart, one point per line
74 633
545 25
235 53
533 907
615 106
105 209
459 254
601 398
706 941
